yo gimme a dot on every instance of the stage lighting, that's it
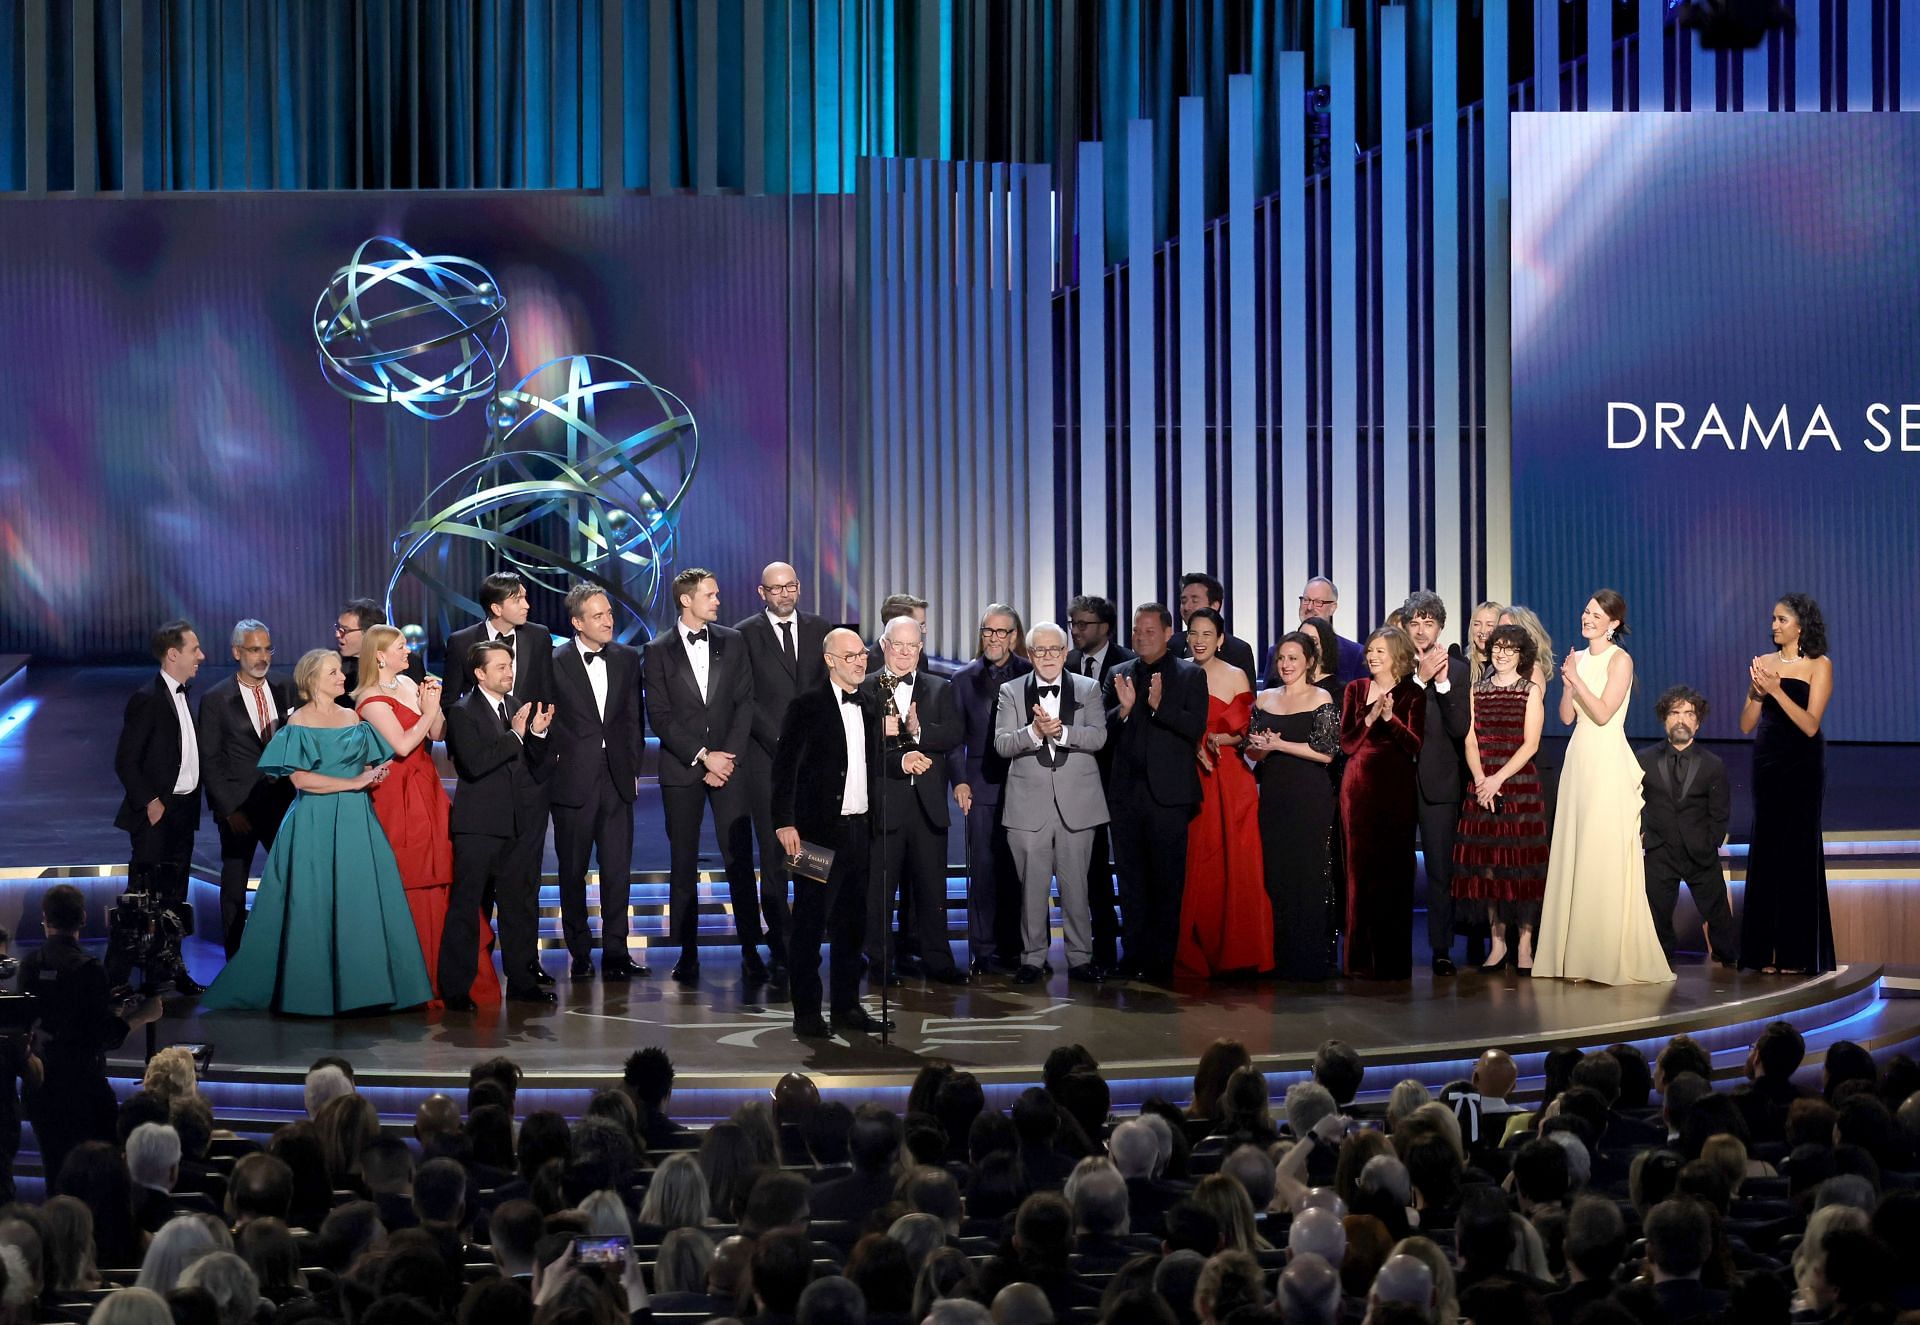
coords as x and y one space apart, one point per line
1733 25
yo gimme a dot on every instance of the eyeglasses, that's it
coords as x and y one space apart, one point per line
1317 603
1046 650
256 648
1083 623
997 632
341 632
781 588
1503 648
861 656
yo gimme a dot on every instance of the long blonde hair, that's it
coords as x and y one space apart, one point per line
1477 664
1529 620
372 641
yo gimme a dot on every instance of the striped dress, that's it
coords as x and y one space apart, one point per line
1500 855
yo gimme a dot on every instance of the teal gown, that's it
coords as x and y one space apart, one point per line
330 929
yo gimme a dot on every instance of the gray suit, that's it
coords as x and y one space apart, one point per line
1052 801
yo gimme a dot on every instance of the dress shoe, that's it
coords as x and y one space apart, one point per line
686 971
1028 975
1086 973
620 968
535 995
777 969
891 979
538 975
752 969
859 1019
812 1027
580 970
981 965
953 975
458 1003
1443 965
186 985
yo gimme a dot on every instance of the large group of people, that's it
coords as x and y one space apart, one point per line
1194 814
1625 1191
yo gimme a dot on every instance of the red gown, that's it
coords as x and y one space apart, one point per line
1226 918
412 808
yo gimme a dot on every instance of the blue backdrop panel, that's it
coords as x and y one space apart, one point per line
1675 265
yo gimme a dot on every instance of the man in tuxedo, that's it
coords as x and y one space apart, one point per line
1683 821
350 624
1319 598
595 746
236 720
1092 620
1156 707
821 794
699 686
897 605
1049 727
157 761
919 726
503 601
497 742
786 650
1441 773
979 771
1198 590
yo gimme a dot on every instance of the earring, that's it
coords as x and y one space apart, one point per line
1609 634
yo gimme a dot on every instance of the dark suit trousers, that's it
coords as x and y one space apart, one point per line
733 829
602 826
1150 853
773 857
508 870
1439 821
236 863
1100 900
1666 869
169 842
993 887
911 861
834 911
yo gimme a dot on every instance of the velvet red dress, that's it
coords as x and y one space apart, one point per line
1226 918
1378 795
413 808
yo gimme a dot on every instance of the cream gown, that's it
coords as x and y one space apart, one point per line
1594 922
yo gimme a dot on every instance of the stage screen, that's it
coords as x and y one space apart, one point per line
1716 394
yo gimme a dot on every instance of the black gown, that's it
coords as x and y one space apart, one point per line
1297 812
1784 921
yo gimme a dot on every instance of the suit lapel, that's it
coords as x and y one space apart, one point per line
1693 767
780 645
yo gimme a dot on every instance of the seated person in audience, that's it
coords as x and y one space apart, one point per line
873 1144
1187 1226
512 1234
1098 1196
1600 1072
1539 1178
386 1166
648 1080
1309 1292
435 1120
1036 1120
440 1204
826 1134
1135 1152
1636 1081
153 1165
680 1276
261 1188
1040 1253
1229 1281
192 1118
934 1191
1595 1244
1484 1240
1681 1054
1308 1104
1679 1239
777 1203
1404 1281
1337 1066
778 1271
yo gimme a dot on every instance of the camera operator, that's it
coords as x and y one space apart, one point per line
78 1023
17 1065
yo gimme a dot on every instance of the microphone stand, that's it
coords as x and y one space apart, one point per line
880 824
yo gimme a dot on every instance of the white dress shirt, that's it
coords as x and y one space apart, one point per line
902 694
699 655
782 628
252 705
853 795
188 778
596 676
1097 658
1050 705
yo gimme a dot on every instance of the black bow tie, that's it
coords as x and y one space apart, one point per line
696 637
181 689
1049 690
850 697
506 640
590 657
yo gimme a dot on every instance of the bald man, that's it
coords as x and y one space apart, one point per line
822 787
1405 1279
785 649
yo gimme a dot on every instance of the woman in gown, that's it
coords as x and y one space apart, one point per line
1226 924
1293 738
1500 851
1784 925
1382 718
1594 921
411 804
330 930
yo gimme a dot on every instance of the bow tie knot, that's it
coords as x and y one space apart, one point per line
850 697
1049 690
590 656
696 637
181 688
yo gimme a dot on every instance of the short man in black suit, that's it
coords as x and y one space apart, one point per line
595 746
786 649
1156 713
699 687
503 600
821 796
978 772
1683 820
158 763
919 727
1092 620
497 743
355 618
1198 590
1442 769
236 720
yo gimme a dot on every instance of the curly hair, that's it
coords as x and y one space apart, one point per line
1516 638
1813 626
1681 694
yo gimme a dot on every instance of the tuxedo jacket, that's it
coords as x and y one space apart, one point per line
1158 747
978 763
147 758
940 734
1689 820
532 662
685 723
810 763
777 678
502 790
1442 768
229 748
1047 783
1115 655
581 741
1232 649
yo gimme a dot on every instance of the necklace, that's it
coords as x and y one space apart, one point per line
390 685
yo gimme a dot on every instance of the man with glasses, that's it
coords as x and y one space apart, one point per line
1048 728
993 891
1319 598
1096 653
350 623
786 650
236 720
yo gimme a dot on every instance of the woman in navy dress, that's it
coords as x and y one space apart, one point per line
1785 925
